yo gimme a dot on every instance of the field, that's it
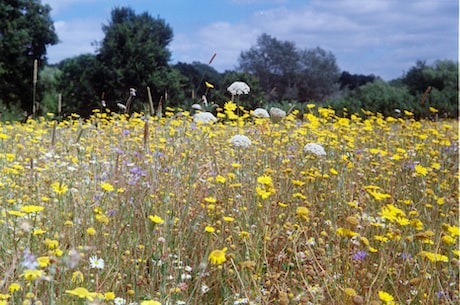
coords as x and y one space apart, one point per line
166 210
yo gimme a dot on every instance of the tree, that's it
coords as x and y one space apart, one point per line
26 29
78 78
134 54
196 74
434 85
353 81
377 96
273 62
318 75
285 72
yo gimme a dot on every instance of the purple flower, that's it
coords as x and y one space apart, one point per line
359 256
30 260
405 256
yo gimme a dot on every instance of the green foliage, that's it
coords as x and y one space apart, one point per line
285 72
25 30
133 54
352 81
196 74
426 91
10 113
48 84
378 96
439 82
77 81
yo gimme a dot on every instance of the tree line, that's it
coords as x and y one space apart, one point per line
134 54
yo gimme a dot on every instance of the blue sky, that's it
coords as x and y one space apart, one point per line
382 37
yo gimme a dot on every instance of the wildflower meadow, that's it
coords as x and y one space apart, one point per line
308 208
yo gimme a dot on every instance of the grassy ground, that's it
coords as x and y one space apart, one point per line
167 210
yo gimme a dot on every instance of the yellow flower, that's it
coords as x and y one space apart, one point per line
16 213
150 302
220 179
32 208
156 219
43 261
350 292
229 219
51 243
210 200
266 180
209 85
109 296
107 187
386 297
77 277
91 231
346 233
14 287
209 229
244 234
38 232
433 257
420 170
302 212
217 257
82 293
59 188
31 275
378 195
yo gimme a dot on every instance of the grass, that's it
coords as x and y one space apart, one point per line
177 215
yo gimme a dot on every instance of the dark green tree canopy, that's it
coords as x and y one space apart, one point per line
133 52
285 72
26 29
353 81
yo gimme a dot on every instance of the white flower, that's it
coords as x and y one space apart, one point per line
185 276
119 301
277 114
132 91
260 113
96 262
240 140
238 88
196 106
315 149
204 289
121 106
204 117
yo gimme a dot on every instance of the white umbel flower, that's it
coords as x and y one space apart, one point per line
204 117
315 149
196 106
277 114
238 88
240 141
260 113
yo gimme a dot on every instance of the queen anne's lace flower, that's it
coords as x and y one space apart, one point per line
315 149
204 117
240 141
260 113
196 106
277 114
238 88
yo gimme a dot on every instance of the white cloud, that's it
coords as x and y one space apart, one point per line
76 37
380 37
